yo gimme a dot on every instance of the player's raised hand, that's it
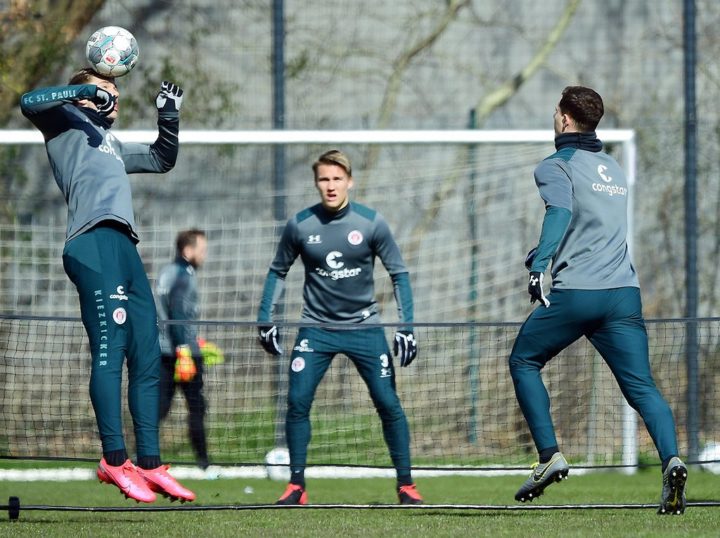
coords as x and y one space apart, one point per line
405 347
535 288
269 339
104 101
169 98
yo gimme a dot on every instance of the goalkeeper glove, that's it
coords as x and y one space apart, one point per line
535 288
405 347
169 98
268 337
185 368
104 101
211 354
530 258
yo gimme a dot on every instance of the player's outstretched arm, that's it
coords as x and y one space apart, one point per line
162 154
168 102
42 106
42 99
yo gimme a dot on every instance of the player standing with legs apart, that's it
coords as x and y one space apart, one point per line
100 257
176 296
595 293
338 241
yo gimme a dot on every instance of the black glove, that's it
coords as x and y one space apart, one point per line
530 258
535 288
169 98
104 101
405 347
268 336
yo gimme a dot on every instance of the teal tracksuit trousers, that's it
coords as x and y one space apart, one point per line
612 320
118 312
368 350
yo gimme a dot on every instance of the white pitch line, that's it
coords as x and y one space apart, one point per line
254 471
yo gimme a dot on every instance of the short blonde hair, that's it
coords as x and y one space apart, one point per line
336 157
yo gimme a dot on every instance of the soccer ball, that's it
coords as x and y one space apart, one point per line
277 463
711 452
112 51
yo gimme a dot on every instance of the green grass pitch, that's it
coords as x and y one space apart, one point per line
593 489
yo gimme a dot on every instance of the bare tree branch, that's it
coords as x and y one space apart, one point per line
34 36
400 66
486 106
402 62
502 95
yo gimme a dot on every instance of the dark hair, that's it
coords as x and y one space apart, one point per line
336 157
83 75
187 238
584 105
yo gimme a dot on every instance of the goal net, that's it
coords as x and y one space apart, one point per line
458 397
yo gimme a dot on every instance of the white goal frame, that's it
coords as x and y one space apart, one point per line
625 137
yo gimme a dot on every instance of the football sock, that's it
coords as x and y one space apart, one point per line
149 462
666 461
547 453
404 480
115 457
298 478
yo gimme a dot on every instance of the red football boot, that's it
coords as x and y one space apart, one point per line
294 494
127 479
159 480
409 495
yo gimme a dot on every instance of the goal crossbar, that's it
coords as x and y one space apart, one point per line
383 136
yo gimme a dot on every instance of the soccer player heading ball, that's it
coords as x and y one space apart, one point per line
338 241
101 259
595 293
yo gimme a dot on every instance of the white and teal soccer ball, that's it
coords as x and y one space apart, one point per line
711 452
277 464
112 51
